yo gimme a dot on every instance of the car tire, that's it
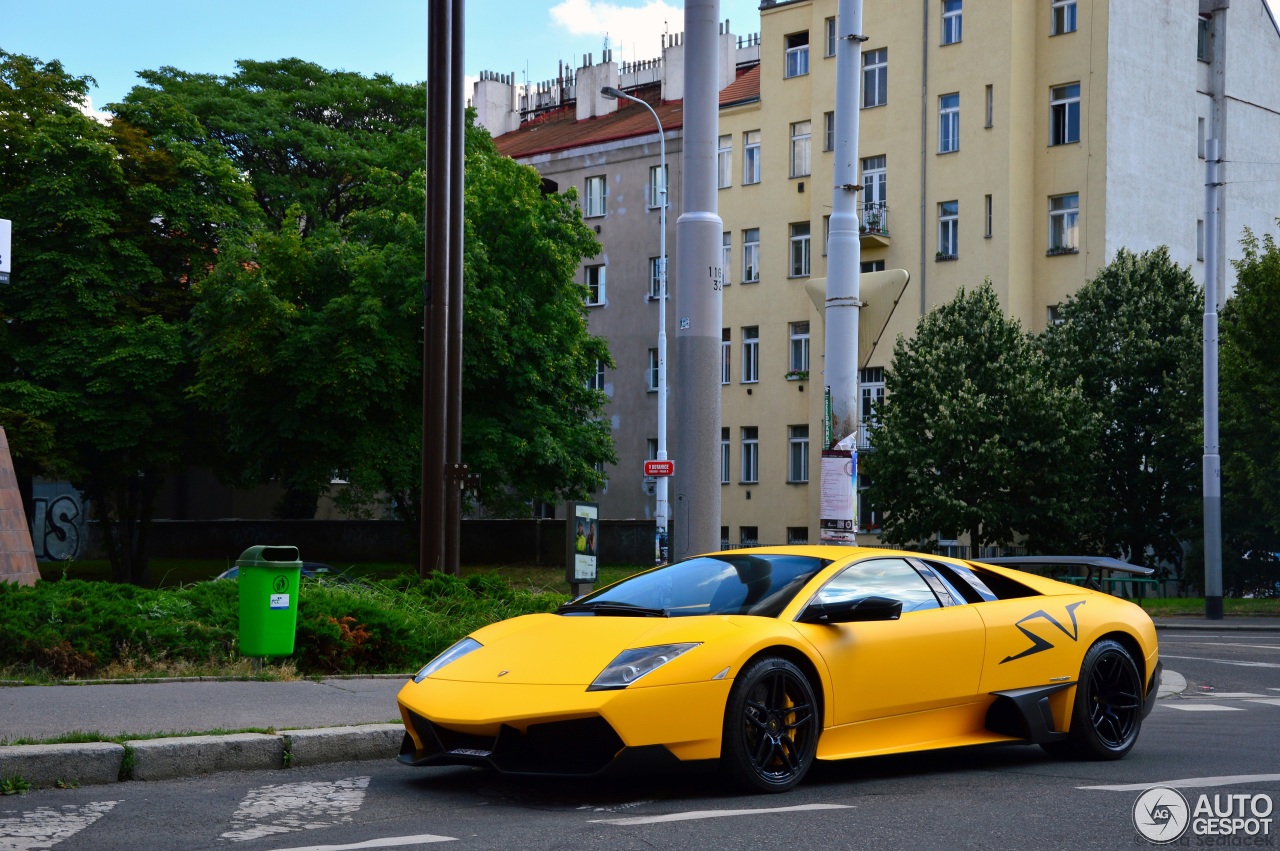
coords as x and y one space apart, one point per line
1107 713
771 727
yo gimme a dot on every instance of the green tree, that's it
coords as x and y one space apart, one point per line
1131 340
111 224
973 438
1249 398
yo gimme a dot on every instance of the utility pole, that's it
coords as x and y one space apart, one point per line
844 299
699 294
1212 476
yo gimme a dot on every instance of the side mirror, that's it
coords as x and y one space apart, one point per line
853 611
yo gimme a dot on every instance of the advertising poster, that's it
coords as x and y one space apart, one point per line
583 535
836 522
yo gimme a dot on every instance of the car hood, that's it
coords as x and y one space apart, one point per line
570 650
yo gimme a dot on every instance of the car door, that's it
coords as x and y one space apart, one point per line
1032 641
930 657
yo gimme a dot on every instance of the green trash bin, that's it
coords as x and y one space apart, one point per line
268 580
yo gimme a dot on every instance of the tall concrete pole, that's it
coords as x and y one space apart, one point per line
844 299
453 394
1212 461
699 294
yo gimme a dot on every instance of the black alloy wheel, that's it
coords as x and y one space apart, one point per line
771 727
1108 707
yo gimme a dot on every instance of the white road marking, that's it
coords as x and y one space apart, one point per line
385 842
701 814
269 810
1273 689
1233 644
1211 695
1274 701
1202 707
45 827
1190 782
1225 661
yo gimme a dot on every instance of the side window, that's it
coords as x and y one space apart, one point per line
883 577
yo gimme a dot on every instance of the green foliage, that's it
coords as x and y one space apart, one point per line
972 438
1249 405
1130 339
14 786
111 224
76 629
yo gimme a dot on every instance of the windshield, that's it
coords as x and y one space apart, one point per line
708 585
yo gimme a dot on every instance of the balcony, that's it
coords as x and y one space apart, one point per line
873 225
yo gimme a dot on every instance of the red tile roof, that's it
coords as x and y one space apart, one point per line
559 128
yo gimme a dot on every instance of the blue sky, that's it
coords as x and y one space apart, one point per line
111 40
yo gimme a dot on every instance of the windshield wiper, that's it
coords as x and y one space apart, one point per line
608 607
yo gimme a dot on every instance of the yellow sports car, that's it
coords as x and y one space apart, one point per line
769 658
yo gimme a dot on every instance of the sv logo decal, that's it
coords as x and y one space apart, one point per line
1039 643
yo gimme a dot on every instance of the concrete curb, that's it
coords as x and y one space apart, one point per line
96 763
1218 626
89 764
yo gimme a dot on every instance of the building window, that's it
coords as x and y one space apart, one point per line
951 21
801 131
1055 314
948 230
1200 137
724 537
830 28
798 453
1063 17
875 77
726 254
751 354
749 536
751 157
1204 39
826 234
874 184
596 382
725 342
799 361
1064 114
651 372
1064 221
866 266
595 197
868 513
750 455
658 185
1200 239
800 250
991 106
986 227
724 162
595 284
655 278
797 64
751 255
828 131
724 456
949 123
651 449
797 535
871 387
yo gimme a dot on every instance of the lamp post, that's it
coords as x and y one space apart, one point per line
660 488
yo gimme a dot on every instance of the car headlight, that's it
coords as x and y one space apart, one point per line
453 654
631 665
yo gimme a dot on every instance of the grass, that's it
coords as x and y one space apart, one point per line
1165 607
172 573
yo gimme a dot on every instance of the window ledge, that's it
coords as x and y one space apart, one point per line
940 258
1061 250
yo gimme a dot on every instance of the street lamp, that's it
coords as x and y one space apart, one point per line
660 488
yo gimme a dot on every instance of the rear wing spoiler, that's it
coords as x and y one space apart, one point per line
1090 563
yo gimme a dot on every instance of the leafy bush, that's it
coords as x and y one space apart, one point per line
75 629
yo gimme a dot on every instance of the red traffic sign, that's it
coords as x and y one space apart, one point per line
660 468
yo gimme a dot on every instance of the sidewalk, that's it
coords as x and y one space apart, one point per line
331 720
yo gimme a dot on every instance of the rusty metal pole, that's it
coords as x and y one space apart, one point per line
431 534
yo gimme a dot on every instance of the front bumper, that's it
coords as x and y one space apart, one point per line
561 730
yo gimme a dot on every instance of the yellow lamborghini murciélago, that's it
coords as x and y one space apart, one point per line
767 659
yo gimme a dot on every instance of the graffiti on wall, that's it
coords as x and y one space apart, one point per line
56 527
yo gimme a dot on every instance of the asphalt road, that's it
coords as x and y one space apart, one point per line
1216 735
